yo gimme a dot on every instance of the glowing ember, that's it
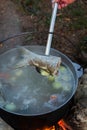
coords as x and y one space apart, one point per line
48 128
51 128
63 125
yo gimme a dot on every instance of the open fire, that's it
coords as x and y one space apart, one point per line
64 125
61 125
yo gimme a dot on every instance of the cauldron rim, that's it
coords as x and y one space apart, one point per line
62 105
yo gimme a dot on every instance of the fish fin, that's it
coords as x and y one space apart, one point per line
23 51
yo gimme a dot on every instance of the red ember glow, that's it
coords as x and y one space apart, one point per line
64 125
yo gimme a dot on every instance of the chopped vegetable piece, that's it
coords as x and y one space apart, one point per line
10 106
51 78
44 73
13 79
19 72
62 68
53 97
57 85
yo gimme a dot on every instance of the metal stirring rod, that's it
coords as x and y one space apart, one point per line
51 30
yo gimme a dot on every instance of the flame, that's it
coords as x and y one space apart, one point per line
48 128
63 125
51 128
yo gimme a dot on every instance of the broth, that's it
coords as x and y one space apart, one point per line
25 91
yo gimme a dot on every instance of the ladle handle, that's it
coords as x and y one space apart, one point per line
51 30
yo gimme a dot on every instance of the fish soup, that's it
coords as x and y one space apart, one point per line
25 91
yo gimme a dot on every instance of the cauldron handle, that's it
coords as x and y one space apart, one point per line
79 69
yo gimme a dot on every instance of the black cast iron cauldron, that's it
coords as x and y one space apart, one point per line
31 122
